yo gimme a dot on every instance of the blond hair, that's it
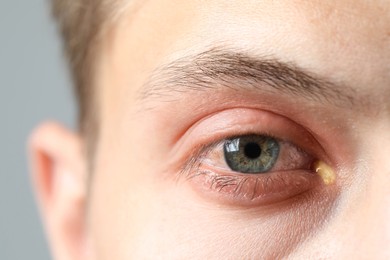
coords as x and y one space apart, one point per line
82 24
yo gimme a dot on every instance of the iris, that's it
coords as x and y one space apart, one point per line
251 153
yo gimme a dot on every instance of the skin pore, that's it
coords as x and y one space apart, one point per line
177 78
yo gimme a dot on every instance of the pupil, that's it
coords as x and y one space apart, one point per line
252 150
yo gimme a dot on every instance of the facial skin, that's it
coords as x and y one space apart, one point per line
175 76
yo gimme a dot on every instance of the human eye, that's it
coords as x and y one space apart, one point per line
256 154
258 158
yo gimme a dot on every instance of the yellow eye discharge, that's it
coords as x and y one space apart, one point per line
325 172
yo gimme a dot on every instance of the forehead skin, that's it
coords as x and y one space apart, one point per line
132 205
347 41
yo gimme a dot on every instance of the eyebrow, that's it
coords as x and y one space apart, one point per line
220 67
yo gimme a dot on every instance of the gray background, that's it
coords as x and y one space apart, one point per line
34 86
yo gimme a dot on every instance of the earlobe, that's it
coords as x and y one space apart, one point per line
59 178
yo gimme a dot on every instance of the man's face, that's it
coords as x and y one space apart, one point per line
212 115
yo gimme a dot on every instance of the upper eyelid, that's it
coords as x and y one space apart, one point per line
218 126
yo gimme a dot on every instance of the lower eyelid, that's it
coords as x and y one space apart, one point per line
252 189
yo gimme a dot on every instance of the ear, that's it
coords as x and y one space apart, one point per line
59 177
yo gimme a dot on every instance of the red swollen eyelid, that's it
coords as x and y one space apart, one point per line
240 121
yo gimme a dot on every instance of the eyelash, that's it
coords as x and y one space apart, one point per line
235 187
